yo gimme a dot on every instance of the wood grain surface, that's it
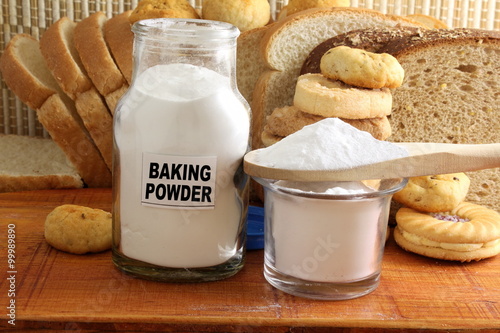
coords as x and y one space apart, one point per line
56 291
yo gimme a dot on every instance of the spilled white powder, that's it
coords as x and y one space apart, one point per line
330 144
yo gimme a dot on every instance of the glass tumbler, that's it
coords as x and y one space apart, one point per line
326 246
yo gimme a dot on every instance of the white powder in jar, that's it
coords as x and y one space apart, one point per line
181 110
325 240
332 187
329 144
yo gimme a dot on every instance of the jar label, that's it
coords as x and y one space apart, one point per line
178 181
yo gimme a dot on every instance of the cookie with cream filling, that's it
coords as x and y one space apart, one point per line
469 232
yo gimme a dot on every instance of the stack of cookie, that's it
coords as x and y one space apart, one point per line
354 85
436 221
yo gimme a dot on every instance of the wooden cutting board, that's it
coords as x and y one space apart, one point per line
55 290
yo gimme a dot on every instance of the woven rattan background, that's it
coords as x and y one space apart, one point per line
33 16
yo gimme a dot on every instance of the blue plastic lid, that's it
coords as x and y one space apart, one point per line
255 228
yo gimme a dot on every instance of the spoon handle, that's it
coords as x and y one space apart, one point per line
442 158
424 159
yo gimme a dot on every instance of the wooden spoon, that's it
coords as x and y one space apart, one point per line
424 159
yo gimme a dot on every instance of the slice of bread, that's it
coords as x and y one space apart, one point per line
120 39
25 72
57 47
22 60
63 60
19 172
286 45
249 62
450 92
96 57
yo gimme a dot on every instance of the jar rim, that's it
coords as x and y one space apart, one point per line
386 187
196 28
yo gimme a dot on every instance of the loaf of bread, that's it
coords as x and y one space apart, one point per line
284 53
450 91
34 163
25 72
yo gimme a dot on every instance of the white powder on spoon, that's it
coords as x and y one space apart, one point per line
330 144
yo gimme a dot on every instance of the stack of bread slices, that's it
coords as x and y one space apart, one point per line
73 77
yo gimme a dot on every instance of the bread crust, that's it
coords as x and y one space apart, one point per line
18 172
34 183
98 121
404 45
371 40
120 39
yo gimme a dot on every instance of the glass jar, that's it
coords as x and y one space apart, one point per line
180 195
326 242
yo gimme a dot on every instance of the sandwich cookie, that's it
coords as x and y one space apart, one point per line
469 232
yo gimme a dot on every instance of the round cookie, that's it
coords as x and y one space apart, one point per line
361 68
379 128
149 9
466 233
435 193
245 15
268 138
289 119
321 96
77 229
